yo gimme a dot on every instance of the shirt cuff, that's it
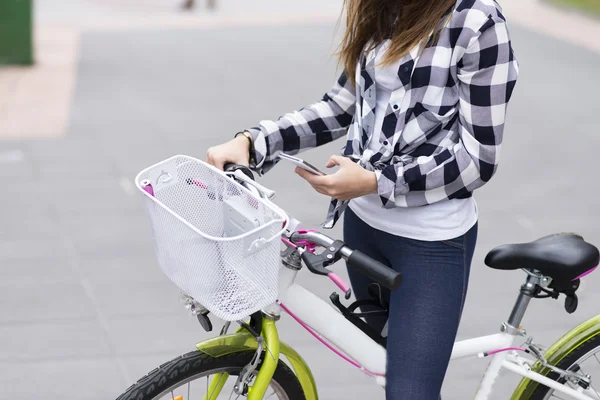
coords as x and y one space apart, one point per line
390 183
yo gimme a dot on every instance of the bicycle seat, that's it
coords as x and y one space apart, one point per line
564 256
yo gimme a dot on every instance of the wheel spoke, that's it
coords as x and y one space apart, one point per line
595 391
589 369
189 383
232 392
269 350
215 387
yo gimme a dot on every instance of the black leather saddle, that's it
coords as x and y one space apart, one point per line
563 256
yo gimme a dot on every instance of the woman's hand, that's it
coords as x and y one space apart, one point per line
236 151
349 182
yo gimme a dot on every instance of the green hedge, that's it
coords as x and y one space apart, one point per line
589 6
16 45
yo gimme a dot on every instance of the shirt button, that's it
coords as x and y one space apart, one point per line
405 69
385 142
395 106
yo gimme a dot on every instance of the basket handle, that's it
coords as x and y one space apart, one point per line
253 243
268 193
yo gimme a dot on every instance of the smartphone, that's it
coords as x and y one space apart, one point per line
301 163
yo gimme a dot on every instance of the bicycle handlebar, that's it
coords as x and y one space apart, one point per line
369 267
375 270
361 262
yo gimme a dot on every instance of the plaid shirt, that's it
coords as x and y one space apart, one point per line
441 134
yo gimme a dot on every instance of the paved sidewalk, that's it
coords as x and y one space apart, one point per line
46 88
557 22
85 310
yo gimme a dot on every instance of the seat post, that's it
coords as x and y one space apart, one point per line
526 293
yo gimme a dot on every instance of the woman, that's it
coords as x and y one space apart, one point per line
422 103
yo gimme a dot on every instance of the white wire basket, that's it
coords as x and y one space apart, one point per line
214 239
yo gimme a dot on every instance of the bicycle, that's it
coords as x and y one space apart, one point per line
554 266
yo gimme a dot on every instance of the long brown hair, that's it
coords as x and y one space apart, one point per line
405 22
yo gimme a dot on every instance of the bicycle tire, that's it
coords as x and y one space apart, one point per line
543 392
182 368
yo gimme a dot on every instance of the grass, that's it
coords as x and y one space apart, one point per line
589 6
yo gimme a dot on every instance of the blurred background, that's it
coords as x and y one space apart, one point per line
93 91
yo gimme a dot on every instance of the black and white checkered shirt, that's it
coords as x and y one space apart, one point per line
442 132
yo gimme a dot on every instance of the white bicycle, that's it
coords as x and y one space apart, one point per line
218 237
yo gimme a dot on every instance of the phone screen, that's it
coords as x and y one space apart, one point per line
301 163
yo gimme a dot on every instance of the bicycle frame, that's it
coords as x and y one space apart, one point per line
330 326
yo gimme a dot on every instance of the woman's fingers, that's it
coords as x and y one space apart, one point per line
337 160
235 151
321 190
322 184
311 178
214 160
209 157
349 182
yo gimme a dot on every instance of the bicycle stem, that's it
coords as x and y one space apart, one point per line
319 239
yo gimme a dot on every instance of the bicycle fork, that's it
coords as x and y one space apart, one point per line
268 342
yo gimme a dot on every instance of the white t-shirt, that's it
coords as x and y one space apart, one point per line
438 221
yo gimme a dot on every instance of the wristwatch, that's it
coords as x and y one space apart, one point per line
252 153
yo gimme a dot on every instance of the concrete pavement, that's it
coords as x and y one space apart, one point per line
84 309
59 26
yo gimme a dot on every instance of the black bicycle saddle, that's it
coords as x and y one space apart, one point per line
563 256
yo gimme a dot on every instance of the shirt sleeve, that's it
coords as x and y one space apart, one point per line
487 74
308 127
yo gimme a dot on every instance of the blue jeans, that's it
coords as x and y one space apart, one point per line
424 312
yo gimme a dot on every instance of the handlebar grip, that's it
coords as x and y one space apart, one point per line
375 270
230 167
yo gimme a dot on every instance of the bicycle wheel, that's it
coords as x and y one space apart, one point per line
189 376
585 358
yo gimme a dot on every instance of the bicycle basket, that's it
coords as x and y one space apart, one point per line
214 239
